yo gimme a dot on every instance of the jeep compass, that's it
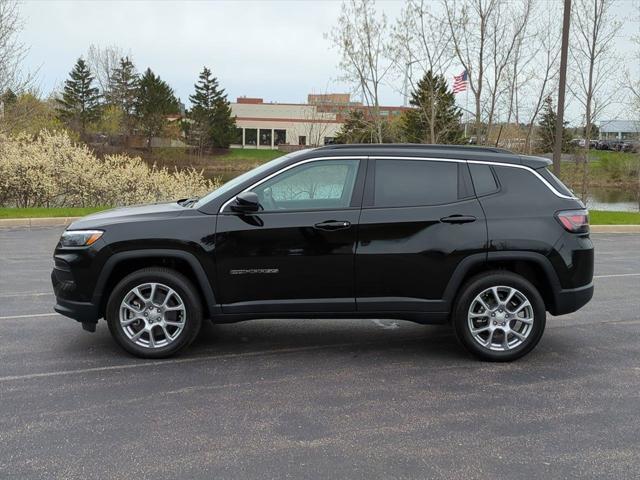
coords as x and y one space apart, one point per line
481 238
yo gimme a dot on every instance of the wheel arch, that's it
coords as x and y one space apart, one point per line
122 263
533 266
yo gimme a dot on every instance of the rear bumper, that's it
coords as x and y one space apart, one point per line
570 300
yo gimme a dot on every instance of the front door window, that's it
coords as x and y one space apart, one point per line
320 185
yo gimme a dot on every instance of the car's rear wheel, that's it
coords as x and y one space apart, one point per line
154 312
499 316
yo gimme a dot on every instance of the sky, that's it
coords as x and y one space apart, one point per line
275 50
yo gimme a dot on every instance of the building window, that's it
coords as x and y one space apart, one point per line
238 137
250 136
265 137
302 140
279 137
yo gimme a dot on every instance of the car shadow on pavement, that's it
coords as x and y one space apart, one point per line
386 337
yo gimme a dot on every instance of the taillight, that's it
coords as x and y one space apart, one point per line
574 221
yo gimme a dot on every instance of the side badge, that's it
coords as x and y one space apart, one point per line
252 271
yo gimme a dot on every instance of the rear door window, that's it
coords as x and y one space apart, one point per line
409 183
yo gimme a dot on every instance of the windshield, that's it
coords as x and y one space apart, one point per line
234 182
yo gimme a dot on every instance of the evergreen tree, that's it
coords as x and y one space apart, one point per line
154 102
8 98
435 117
122 93
79 106
547 130
213 124
357 128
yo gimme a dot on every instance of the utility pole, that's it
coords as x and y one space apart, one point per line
557 147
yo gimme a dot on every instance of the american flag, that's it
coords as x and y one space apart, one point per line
460 82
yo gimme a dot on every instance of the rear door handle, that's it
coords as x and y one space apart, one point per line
458 219
332 225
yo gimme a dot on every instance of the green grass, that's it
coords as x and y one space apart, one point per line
601 217
47 212
232 160
249 155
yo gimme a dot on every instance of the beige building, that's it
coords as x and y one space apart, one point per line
268 125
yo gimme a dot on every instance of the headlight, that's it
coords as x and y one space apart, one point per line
80 238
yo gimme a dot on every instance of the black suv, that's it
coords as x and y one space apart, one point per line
480 237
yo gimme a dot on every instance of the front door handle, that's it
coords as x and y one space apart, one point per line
458 219
332 225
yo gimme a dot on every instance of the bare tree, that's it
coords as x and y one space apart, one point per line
421 46
593 55
12 50
507 28
632 82
102 62
633 85
362 38
316 125
420 40
468 22
545 65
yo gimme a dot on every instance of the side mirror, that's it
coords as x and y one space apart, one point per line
246 202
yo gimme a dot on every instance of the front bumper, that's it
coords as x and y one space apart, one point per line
570 300
63 287
84 312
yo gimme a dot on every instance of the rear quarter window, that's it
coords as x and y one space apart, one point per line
484 180
555 181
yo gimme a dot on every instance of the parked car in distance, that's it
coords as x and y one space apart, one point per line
481 238
581 143
625 146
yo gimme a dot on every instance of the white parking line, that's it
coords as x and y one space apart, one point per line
25 294
33 315
183 360
618 275
391 326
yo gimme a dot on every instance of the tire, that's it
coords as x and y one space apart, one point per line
154 323
512 336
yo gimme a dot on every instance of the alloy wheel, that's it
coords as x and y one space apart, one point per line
500 318
152 315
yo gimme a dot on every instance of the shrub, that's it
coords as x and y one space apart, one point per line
50 170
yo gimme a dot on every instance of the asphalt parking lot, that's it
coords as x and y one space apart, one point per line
317 399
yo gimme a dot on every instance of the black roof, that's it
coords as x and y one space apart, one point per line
458 152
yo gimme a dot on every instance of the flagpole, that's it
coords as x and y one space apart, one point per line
466 111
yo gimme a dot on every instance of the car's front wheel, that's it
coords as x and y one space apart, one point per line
499 316
154 312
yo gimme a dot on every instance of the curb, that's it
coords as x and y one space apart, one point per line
64 221
36 222
615 228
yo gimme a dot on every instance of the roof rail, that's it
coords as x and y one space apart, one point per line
415 146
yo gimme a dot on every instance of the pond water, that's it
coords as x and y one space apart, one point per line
612 199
